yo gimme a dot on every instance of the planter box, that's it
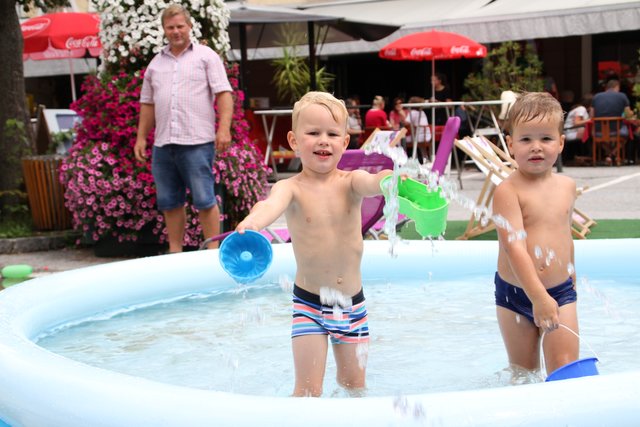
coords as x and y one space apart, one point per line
45 192
146 245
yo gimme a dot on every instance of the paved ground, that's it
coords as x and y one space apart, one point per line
611 193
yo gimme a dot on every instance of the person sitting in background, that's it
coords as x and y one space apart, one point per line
397 116
574 129
612 103
576 118
420 131
354 124
376 117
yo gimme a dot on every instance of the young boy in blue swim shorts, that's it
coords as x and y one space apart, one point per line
535 281
322 207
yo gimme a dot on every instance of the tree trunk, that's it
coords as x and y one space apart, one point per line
15 130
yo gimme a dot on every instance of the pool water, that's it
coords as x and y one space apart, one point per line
426 336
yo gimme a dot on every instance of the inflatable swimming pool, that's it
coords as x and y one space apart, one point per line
39 388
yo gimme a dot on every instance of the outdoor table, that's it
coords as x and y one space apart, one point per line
269 119
485 107
432 106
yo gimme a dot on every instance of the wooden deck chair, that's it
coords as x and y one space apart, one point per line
388 137
582 223
497 165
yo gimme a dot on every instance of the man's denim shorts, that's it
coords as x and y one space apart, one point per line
178 167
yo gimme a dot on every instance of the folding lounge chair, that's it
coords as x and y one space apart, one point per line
372 207
446 145
497 165
389 137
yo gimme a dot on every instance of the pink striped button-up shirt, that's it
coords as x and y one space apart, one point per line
183 90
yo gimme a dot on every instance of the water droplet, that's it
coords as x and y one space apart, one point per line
331 296
551 254
362 354
537 250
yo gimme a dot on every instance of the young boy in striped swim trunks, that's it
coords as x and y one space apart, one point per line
322 207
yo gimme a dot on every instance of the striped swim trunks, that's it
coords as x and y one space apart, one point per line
344 325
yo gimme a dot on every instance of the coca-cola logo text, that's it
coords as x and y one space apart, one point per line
85 42
417 53
460 50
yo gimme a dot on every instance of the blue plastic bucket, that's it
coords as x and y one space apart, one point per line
579 368
245 257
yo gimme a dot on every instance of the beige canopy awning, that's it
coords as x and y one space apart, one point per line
485 21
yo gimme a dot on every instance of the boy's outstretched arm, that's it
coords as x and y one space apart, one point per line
265 212
368 184
545 308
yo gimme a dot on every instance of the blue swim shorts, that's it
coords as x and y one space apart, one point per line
178 167
345 325
515 299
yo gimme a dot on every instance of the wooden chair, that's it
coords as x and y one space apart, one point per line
389 137
369 130
496 165
605 134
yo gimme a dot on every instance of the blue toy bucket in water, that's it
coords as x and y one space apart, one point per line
579 368
245 257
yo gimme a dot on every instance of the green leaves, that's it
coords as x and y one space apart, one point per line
510 66
42 4
292 74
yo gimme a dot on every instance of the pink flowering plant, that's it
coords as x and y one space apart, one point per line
110 194
107 191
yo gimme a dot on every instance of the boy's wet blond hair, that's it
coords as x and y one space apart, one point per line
335 106
530 106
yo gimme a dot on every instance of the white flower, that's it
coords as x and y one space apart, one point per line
124 26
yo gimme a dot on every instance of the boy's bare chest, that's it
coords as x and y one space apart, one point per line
325 204
549 207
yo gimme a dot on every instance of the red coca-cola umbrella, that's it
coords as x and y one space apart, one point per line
431 46
62 35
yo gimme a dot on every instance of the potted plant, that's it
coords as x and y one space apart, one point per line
292 74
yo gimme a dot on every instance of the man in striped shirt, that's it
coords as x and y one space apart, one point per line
181 85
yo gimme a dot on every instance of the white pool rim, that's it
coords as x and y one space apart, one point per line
39 388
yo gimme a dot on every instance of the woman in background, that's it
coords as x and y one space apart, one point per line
354 124
376 117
